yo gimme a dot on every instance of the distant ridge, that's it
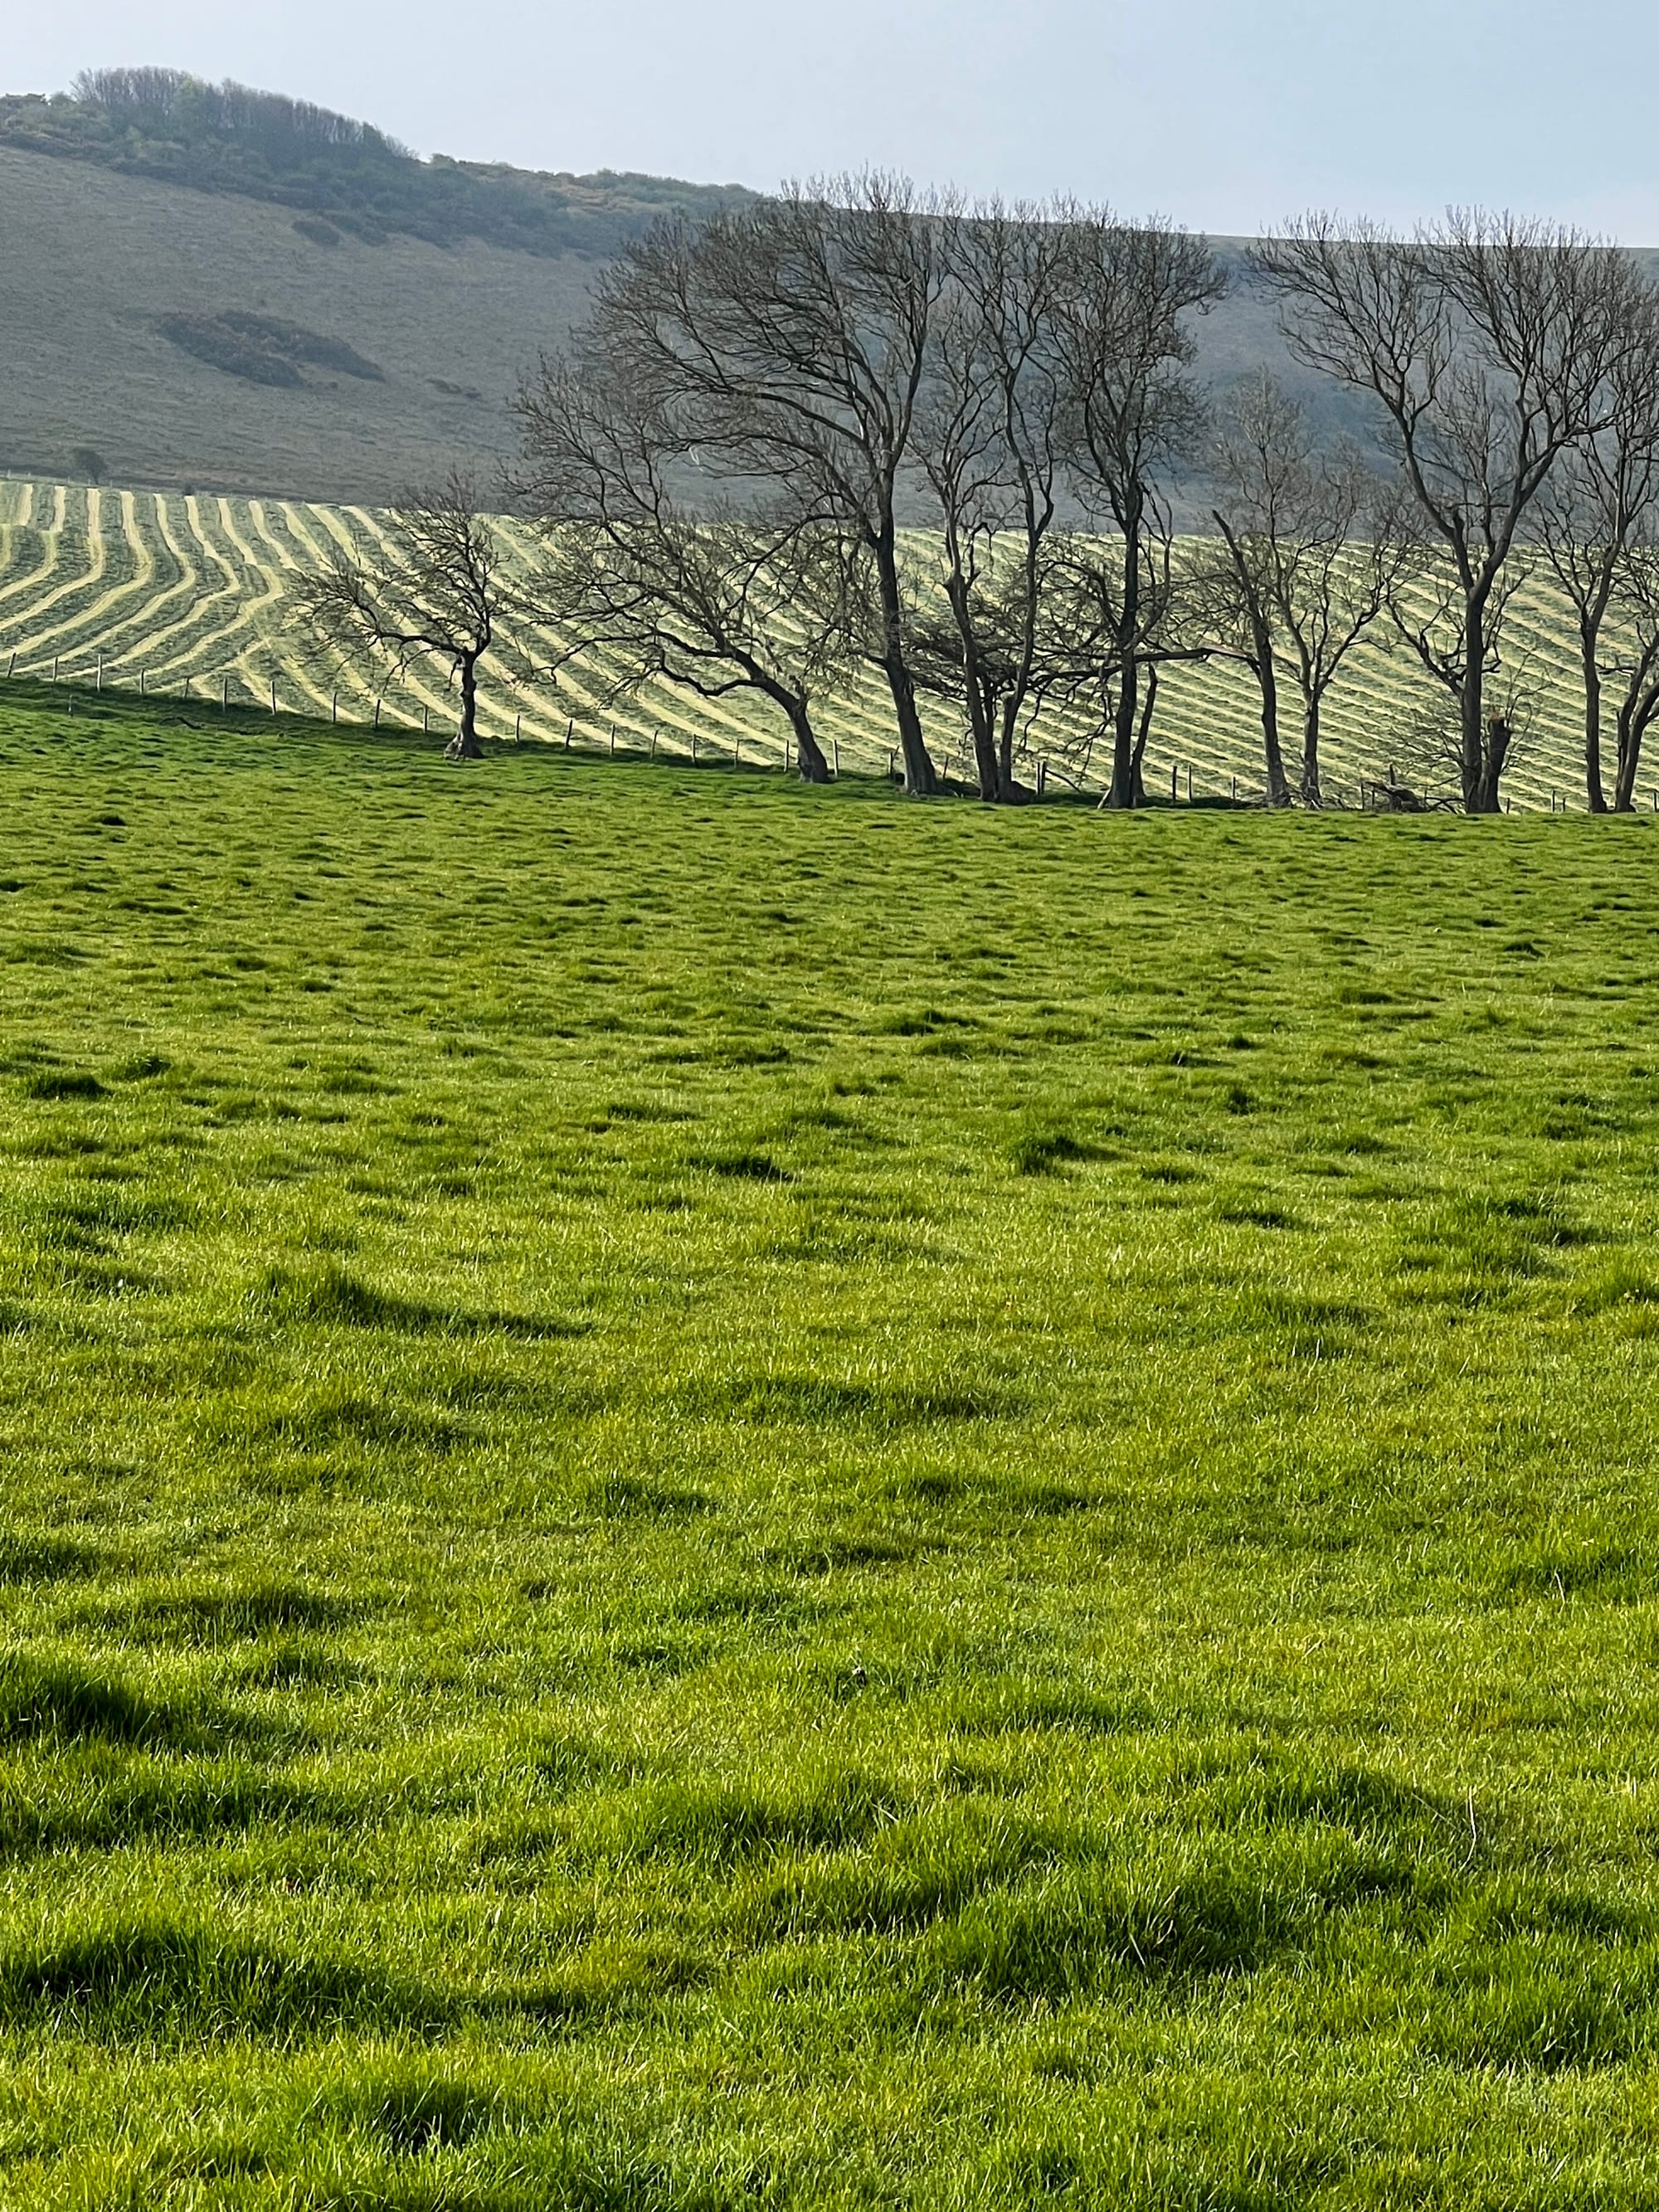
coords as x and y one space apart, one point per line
176 129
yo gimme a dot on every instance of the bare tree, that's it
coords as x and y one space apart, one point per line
1487 343
1599 522
722 601
1082 626
1428 612
1310 554
1231 586
793 336
988 434
1124 304
433 593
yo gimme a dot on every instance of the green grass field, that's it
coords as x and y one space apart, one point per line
719 1497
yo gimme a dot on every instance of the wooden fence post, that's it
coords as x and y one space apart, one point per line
1175 783
836 742
377 714
273 695
224 694
1189 783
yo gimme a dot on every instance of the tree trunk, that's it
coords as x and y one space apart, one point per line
1636 712
982 710
1630 752
1598 803
1121 791
982 720
1266 674
1278 789
1148 707
1311 794
919 779
1496 751
465 746
1005 749
809 763
1470 701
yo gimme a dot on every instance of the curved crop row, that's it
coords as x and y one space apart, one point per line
180 591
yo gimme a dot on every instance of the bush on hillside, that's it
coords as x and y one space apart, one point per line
229 138
263 349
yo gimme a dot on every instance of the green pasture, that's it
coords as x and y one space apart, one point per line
720 1497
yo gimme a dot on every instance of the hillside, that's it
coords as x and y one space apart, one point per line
131 265
344 177
287 302
93 262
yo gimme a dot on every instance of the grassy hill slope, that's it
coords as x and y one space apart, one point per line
814 1503
92 261
447 278
450 285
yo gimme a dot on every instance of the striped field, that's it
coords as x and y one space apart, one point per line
177 592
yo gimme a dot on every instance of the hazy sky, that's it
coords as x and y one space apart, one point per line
1227 114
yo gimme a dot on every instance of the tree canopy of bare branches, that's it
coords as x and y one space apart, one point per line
711 598
1308 555
1124 342
1599 522
432 591
988 436
1489 345
791 339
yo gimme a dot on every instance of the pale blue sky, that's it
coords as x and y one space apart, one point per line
1224 114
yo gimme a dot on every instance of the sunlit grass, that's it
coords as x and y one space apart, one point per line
719 1496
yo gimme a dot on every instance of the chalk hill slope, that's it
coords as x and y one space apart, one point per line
332 327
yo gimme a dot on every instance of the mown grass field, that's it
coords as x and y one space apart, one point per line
716 1496
189 595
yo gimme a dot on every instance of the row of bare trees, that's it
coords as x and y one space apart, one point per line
800 377
850 427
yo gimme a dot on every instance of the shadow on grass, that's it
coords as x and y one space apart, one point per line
167 1979
819 1400
60 1698
327 1294
29 1559
223 1616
